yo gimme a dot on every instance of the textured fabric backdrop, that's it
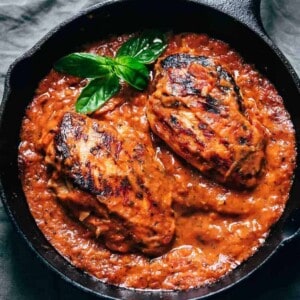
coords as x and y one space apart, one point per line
22 275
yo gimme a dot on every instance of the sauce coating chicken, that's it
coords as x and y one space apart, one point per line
197 109
98 159
216 227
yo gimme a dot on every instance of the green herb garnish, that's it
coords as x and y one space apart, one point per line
105 73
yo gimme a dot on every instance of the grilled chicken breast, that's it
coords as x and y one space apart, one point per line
112 195
197 109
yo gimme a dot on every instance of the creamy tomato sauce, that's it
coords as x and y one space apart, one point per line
216 227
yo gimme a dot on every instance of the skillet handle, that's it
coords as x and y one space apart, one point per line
246 11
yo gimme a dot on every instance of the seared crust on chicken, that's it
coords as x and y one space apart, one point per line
114 197
197 109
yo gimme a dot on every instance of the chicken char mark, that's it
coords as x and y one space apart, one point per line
95 158
198 110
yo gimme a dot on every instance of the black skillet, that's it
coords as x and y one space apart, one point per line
234 21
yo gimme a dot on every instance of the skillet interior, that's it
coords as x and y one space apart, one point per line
133 15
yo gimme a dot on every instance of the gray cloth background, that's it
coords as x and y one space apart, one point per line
22 275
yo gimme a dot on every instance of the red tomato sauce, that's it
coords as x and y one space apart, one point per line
212 238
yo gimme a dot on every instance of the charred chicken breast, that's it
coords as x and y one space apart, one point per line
113 196
197 109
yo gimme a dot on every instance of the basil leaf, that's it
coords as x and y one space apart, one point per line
132 71
144 48
84 65
128 65
96 93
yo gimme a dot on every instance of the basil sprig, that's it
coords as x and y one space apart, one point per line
105 73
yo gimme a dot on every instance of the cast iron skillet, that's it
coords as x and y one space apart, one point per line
236 22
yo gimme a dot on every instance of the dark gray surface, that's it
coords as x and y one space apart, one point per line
23 276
